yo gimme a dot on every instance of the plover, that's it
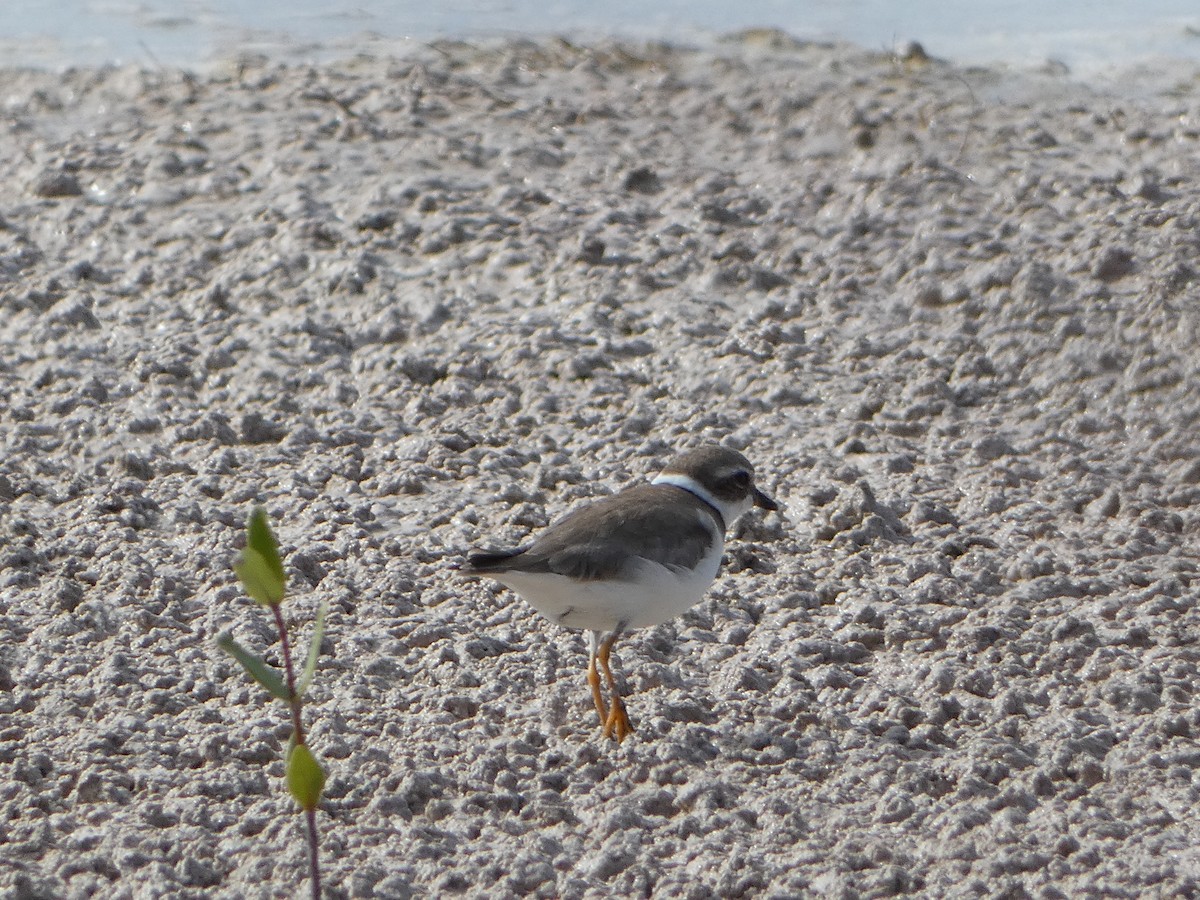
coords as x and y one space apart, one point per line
632 560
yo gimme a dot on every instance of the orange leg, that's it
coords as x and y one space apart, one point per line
597 697
616 724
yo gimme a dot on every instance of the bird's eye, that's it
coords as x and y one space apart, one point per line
741 478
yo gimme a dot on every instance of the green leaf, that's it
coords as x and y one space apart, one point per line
260 537
305 777
258 578
259 566
268 677
314 650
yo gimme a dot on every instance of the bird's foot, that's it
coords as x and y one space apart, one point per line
617 724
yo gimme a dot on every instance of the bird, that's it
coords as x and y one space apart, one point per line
634 559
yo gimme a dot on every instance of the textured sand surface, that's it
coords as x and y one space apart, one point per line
418 304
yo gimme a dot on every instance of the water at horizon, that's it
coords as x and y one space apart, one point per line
1089 38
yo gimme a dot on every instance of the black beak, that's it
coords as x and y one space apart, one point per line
762 501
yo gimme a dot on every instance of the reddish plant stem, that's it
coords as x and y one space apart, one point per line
310 815
314 863
293 699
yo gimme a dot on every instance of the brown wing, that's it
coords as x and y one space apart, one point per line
598 541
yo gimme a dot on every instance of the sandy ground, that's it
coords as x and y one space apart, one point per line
417 304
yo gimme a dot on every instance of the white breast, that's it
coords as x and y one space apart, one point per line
654 595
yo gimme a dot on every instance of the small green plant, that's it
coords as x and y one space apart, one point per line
261 572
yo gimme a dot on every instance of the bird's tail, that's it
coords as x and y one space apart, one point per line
482 561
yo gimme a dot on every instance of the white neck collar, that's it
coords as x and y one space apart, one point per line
692 486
